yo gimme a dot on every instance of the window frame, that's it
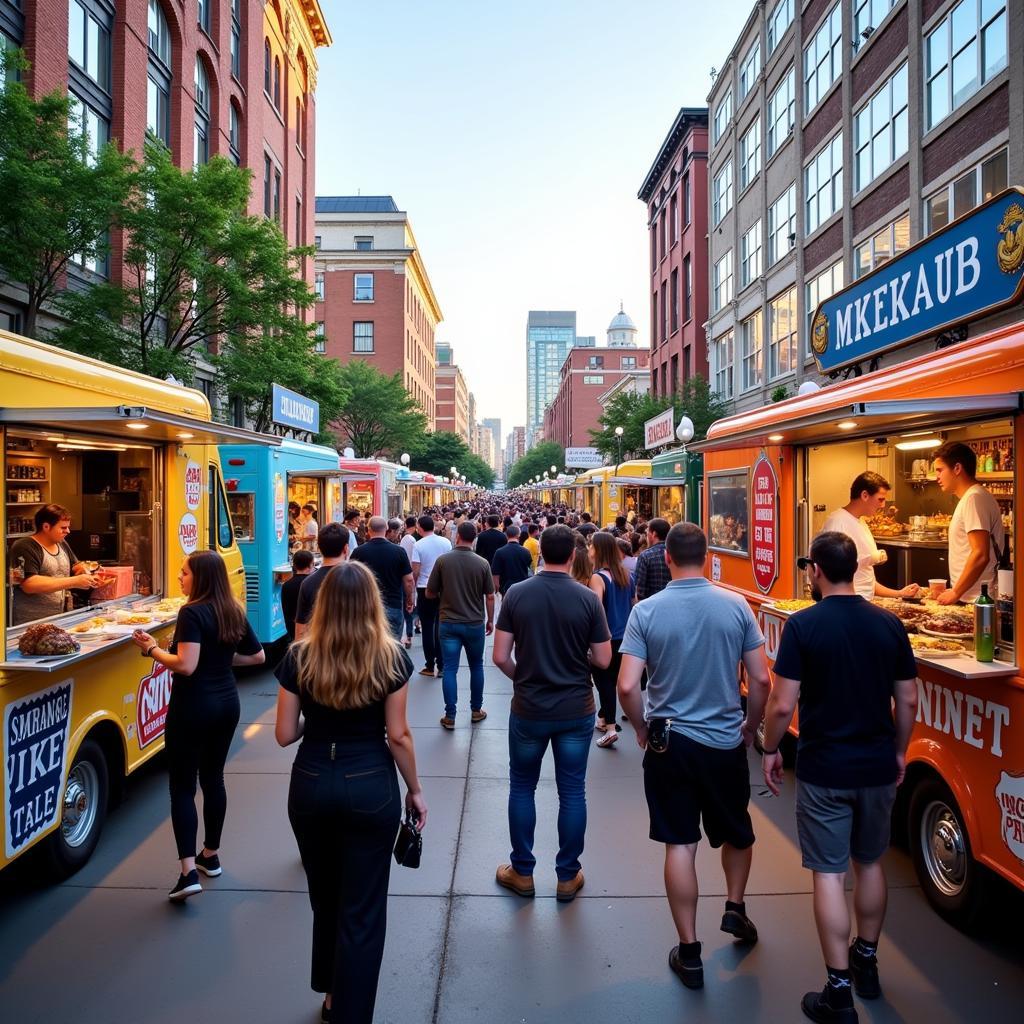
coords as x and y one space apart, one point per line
723 371
751 356
828 161
786 84
872 19
789 194
749 256
159 77
319 338
792 338
875 262
775 29
977 172
722 282
750 68
723 115
319 284
750 162
814 295
201 96
357 337
897 147
832 54
722 192
356 296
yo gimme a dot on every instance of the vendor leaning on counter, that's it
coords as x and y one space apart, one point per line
49 566
976 534
868 494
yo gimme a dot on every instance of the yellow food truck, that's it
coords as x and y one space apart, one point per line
132 462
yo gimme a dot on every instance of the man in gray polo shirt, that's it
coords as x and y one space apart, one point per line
692 637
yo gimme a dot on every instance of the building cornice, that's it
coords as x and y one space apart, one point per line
686 120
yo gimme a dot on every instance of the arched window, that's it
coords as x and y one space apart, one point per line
202 118
277 82
266 66
234 134
158 88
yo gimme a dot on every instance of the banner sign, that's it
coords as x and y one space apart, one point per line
582 458
660 429
969 269
764 550
294 410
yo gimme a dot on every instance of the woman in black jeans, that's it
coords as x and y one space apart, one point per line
212 635
347 677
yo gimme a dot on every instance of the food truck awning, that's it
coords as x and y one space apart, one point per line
972 380
146 424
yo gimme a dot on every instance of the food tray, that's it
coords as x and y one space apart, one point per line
962 637
924 653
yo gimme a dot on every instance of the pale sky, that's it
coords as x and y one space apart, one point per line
516 137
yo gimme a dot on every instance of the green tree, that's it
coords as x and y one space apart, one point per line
437 452
536 462
378 416
59 200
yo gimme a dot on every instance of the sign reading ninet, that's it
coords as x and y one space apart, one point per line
970 268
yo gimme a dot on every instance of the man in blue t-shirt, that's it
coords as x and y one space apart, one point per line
849 663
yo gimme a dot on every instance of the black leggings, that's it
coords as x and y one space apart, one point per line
199 733
605 680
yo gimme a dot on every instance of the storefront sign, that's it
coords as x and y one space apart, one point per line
294 410
36 734
193 485
660 429
151 703
582 458
188 533
764 550
971 268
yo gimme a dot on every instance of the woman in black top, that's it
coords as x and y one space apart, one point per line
347 678
212 635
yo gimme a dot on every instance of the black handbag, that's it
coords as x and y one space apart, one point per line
409 844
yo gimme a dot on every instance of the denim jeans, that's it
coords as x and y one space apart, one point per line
454 637
528 740
396 619
410 620
428 609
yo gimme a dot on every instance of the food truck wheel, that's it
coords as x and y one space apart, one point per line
941 848
83 812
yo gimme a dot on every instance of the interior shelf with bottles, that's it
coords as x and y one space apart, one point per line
27 486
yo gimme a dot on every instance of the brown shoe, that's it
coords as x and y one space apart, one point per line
566 891
521 885
478 716
426 671
448 723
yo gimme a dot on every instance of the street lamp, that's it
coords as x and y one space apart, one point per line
404 458
554 470
618 437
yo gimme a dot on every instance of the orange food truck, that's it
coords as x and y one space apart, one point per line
773 474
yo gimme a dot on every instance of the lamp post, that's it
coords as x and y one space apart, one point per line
618 437
404 458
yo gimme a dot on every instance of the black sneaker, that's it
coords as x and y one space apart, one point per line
325 1014
210 866
188 885
689 971
864 971
740 926
816 1006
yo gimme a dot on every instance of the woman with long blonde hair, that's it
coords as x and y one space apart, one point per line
347 678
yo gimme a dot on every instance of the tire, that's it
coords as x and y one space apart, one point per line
951 879
84 810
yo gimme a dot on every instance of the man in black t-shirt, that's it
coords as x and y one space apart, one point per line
850 664
490 540
512 563
390 564
332 540
302 566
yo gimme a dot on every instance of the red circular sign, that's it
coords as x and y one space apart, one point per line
764 547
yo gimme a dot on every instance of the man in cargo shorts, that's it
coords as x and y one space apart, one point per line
850 664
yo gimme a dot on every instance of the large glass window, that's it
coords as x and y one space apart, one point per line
268 174
965 192
821 287
750 68
779 19
723 114
750 154
234 135
362 336
721 194
880 129
319 341
363 287
674 299
823 185
782 225
783 331
883 245
966 49
202 114
96 128
781 112
203 15
158 84
823 59
236 38
723 351
721 290
687 289
318 284
868 14
751 352
89 43
750 254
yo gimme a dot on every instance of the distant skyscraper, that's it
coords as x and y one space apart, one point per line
549 338
494 426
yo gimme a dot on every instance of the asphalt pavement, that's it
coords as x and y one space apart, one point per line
106 947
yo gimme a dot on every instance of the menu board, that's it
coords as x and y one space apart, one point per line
728 511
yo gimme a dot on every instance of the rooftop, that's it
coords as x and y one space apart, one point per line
356 204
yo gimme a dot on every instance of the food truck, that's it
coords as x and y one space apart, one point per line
135 463
611 491
262 482
772 475
371 485
678 477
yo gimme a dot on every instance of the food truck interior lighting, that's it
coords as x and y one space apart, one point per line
846 424
919 445
73 447
775 437
185 437
137 426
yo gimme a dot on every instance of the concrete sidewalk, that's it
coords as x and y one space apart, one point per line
106 947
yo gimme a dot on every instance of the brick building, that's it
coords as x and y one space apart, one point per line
515 447
674 191
451 396
230 77
844 131
374 297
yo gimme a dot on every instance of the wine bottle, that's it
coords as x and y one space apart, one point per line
984 626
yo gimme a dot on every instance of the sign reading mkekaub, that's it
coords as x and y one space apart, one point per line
294 410
660 429
967 270
582 458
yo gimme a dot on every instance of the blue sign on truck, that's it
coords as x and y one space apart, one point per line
294 410
972 267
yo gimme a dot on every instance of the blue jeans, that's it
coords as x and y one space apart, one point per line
454 637
410 620
527 742
395 614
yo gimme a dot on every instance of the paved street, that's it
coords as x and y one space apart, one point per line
107 948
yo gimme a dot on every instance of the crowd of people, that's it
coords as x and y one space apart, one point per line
623 610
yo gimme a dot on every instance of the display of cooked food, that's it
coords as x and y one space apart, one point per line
935 643
91 625
166 606
124 618
792 604
939 521
953 625
882 525
46 638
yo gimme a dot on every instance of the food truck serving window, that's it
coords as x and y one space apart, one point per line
728 518
243 515
221 532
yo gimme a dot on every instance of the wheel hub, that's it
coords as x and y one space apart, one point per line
78 810
945 849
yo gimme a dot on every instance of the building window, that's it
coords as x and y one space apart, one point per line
868 14
277 195
823 185
595 362
750 255
687 289
362 336
202 114
627 363
299 226
721 286
319 342
750 154
93 126
893 239
593 378
823 59
654 244
782 225
821 287
964 193
203 15
236 38
722 358
234 135
783 330
751 353
268 64
964 51
675 374
158 85
363 284
673 290
318 284
317 241
750 69
781 112
779 20
687 200
721 196
723 114
300 125
880 129
89 42
664 310
654 317
674 218
277 84
364 243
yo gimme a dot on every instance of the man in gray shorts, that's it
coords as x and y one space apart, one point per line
848 663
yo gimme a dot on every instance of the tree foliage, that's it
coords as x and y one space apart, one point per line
377 415
437 452
58 199
536 462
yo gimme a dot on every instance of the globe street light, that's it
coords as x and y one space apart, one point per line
404 459
554 470
618 437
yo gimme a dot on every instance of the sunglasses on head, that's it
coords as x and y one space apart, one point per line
804 563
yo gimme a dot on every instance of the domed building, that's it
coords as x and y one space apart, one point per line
622 332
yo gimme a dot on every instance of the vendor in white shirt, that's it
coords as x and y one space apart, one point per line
976 533
868 494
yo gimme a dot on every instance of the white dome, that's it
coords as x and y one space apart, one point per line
622 322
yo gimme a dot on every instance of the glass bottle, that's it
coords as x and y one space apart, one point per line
984 626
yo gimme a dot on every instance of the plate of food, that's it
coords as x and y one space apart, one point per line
93 627
948 627
936 647
46 640
791 604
